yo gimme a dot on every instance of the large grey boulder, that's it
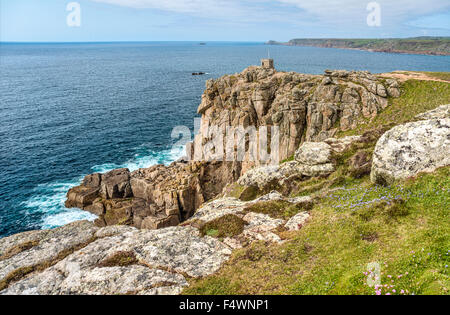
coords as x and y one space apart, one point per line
32 250
409 149
312 159
264 176
313 153
437 113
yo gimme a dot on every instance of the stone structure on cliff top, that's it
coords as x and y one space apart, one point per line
305 108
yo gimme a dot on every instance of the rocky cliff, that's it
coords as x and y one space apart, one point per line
304 107
81 258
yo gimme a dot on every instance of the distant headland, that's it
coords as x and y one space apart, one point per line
416 45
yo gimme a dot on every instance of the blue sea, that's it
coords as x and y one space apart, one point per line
67 110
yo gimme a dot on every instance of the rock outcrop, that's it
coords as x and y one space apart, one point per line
312 159
151 198
409 149
80 258
259 226
305 108
437 113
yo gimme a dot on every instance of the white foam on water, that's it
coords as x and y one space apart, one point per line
49 198
144 160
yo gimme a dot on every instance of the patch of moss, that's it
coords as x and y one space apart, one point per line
213 233
19 249
249 193
256 251
310 186
227 226
289 159
14 276
119 259
234 190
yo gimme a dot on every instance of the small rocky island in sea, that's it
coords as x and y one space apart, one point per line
363 177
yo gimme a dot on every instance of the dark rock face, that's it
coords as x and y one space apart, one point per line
152 198
116 184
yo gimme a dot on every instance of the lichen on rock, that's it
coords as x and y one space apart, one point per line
409 149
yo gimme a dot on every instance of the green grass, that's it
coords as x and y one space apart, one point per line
417 97
434 45
226 226
120 259
439 75
404 228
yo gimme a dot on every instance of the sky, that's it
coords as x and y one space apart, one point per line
219 20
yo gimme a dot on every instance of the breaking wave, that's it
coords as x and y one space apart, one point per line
48 199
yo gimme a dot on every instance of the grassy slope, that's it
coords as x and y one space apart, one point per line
409 236
417 97
439 75
330 254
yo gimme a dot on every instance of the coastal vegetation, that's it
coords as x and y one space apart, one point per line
416 45
404 228
417 96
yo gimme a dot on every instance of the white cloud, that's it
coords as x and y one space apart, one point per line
392 10
328 12
194 7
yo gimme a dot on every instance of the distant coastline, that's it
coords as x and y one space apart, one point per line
438 46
